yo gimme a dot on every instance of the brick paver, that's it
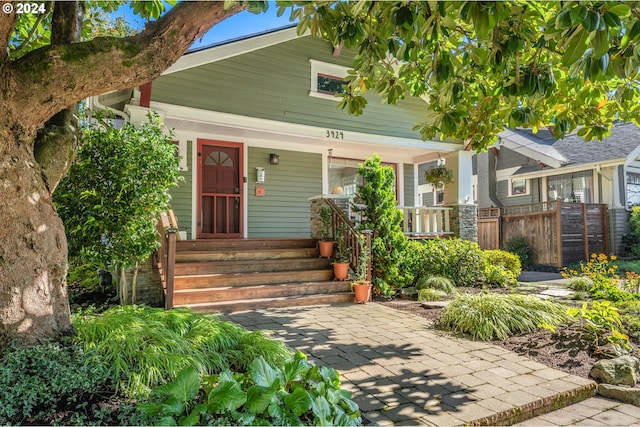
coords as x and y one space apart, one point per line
403 373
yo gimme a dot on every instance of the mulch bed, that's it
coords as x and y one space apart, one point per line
567 349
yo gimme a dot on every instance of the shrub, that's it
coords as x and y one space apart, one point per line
602 319
508 260
633 237
437 282
38 381
142 347
499 277
431 294
581 283
489 316
456 259
383 218
520 246
295 393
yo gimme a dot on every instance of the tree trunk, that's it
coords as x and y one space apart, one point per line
33 247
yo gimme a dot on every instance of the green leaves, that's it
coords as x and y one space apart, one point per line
311 396
477 62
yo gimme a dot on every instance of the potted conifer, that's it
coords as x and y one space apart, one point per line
326 244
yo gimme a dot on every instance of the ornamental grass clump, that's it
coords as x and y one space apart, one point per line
430 294
438 283
489 316
143 347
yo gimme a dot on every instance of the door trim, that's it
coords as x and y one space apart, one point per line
198 172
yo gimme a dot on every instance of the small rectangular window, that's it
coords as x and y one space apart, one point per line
330 84
518 187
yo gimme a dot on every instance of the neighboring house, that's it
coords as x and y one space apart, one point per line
257 127
524 168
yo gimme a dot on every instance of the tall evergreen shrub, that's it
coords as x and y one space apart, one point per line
383 218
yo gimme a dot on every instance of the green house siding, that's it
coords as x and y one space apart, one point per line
181 196
273 83
284 209
409 188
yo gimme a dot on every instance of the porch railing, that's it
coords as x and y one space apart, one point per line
426 221
352 236
166 255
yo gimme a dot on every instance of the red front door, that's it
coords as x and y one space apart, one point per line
219 189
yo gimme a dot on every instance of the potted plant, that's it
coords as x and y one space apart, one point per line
341 262
438 176
326 244
361 286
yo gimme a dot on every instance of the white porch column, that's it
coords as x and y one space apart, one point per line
460 191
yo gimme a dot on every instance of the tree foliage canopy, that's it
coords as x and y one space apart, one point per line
483 65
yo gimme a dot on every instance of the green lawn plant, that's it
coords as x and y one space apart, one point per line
383 218
520 246
144 347
490 316
296 392
431 294
497 276
510 261
581 283
37 382
111 199
439 283
459 260
602 319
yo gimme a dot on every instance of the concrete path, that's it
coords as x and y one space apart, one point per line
403 373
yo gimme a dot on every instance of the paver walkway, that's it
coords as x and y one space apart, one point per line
403 373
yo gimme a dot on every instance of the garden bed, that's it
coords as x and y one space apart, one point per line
565 350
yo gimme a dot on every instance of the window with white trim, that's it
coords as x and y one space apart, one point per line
518 187
326 79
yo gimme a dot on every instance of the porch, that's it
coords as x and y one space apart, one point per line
224 275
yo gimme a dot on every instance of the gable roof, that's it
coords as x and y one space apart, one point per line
233 47
572 150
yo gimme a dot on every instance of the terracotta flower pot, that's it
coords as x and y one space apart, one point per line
326 248
362 291
341 270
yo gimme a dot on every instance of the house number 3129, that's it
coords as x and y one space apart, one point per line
335 134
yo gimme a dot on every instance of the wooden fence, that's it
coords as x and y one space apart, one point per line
559 233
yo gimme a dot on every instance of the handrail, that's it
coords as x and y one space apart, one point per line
166 260
352 236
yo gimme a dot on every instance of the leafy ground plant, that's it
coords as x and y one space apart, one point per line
143 347
490 316
295 393
602 320
37 382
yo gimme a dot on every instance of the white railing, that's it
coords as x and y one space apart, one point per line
425 221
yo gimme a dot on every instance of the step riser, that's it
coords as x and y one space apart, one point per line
227 267
278 303
246 255
225 280
240 244
258 292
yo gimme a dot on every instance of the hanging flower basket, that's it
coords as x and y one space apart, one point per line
438 176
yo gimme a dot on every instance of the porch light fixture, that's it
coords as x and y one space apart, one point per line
274 159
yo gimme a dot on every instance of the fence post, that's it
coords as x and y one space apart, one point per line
585 231
559 231
605 224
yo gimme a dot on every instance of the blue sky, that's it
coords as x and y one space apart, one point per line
242 24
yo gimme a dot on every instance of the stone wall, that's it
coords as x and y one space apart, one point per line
464 222
316 203
149 289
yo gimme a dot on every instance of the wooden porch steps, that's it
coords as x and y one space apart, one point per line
245 274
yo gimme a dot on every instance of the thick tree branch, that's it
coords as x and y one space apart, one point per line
57 76
56 144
